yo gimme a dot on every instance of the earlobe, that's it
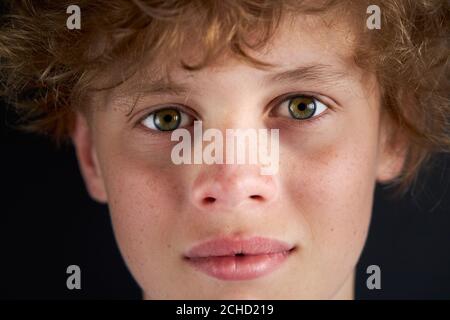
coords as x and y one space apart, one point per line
87 159
390 165
391 153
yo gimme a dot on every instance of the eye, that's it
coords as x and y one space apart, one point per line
167 119
301 107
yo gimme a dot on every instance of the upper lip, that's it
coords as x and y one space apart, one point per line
230 246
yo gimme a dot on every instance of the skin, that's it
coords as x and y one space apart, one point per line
320 200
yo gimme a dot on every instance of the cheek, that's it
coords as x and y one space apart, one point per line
330 181
142 205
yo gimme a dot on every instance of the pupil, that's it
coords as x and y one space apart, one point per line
302 106
167 118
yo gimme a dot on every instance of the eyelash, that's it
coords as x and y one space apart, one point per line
277 102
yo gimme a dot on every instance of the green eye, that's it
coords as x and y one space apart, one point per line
167 119
302 107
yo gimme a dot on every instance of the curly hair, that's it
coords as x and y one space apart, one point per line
47 70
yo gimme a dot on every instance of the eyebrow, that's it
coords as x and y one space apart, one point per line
325 74
160 86
163 86
322 73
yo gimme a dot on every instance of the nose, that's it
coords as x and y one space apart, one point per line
230 186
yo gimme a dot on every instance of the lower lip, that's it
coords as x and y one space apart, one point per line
245 267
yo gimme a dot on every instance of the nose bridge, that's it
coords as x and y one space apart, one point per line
226 187
237 181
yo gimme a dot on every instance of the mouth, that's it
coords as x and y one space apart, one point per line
239 259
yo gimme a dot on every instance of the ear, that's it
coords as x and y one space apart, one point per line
87 159
392 150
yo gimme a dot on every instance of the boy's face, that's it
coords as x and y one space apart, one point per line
319 202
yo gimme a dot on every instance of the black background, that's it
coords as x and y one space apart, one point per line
48 222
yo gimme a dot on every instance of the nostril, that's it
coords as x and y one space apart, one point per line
209 200
256 197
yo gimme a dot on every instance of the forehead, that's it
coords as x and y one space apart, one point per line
309 39
319 44
298 40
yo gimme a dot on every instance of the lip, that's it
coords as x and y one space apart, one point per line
239 259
